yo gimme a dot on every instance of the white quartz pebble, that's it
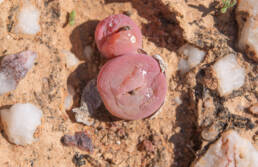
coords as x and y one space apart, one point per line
231 150
247 17
20 123
28 20
6 84
178 100
14 68
194 56
230 74
183 66
68 102
71 59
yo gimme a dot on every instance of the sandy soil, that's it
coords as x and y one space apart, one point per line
178 134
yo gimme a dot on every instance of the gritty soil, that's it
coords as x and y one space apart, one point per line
175 137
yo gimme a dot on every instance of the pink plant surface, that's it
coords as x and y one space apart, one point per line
132 86
117 35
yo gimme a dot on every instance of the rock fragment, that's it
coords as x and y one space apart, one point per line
80 140
90 102
82 115
210 133
20 123
178 100
90 96
230 74
230 150
193 57
71 59
14 68
28 20
247 18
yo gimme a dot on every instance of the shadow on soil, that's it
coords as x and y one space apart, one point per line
162 27
83 36
187 141
224 22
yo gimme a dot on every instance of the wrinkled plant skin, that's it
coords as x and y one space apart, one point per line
132 86
117 35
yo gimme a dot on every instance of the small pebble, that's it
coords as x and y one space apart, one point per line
80 140
28 20
20 123
90 102
194 56
14 68
178 101
230 75
210 134
82 115
69 98
91 97
71 59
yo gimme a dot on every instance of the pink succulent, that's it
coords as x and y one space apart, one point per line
132 86
117 35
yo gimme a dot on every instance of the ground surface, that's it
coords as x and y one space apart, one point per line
175 137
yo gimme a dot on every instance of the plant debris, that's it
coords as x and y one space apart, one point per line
72 16
227 4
